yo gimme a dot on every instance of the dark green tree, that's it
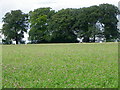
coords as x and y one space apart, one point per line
81 24
39 19
85 24
61 26
108 17
93 18
15 24
68 24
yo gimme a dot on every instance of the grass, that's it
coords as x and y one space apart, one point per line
0 67
60 66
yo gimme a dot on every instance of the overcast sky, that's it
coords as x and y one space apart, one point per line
27 5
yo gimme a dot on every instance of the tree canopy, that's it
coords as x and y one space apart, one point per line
15 24
61 26
65 25
108 17
39 19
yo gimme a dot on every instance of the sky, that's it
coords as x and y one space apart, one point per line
28 5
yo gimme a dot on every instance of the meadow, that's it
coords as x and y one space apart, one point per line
60 65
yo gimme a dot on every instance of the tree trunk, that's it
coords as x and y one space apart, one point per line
86 39
16 39
94 38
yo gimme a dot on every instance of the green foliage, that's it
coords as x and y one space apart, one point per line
60 66
85 22
108 17
61 26
65 25
15 24
105 14
6 41
39 19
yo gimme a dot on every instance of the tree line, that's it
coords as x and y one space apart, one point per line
64 26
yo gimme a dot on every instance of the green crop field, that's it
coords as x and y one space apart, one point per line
60 65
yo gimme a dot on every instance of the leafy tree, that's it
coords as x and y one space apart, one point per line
85 24
39 19
105 14
108 17
82 24
61 26
68 24
15 24
93 18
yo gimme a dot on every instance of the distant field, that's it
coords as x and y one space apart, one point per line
60 65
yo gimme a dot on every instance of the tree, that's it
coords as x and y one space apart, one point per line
85 24
81 24
87 18
61 26
39 19
93 19
15 24
108 17
68 24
